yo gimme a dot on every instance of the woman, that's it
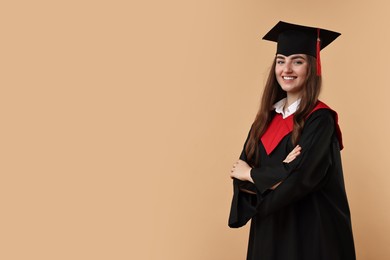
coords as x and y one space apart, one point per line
288 180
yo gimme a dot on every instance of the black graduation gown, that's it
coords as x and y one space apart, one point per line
307 216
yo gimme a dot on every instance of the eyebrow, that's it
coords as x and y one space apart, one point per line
293 57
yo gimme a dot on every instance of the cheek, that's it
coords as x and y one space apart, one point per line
304 71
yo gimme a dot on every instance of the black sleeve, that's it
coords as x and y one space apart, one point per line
305 173
244 205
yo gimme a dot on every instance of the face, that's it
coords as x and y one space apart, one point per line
291 72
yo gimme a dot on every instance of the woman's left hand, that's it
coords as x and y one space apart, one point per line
242 171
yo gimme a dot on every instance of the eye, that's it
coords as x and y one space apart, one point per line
298 62
279 62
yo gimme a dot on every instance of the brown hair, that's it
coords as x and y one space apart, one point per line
273 93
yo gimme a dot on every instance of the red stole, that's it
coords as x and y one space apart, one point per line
280 127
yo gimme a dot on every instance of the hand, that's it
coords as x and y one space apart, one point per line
290 157
242 171
293 154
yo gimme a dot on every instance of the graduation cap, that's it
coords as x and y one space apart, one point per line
294 39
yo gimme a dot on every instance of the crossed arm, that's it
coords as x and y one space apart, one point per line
241 170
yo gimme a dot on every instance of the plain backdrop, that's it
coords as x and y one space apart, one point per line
120 121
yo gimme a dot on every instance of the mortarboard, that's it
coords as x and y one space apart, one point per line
294 38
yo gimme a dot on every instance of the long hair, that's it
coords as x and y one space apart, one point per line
273 93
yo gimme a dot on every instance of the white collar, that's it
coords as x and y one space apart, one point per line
290 110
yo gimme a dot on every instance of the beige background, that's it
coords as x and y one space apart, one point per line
120 122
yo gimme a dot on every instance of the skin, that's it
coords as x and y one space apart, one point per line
241 170
291 73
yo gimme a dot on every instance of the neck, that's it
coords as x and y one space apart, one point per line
291 98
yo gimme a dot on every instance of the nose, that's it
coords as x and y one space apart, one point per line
287 67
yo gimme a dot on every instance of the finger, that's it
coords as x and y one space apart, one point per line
289 159
297 147
296 151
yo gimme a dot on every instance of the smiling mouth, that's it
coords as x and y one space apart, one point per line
289 78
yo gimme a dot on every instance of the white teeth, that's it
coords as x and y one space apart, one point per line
288 78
